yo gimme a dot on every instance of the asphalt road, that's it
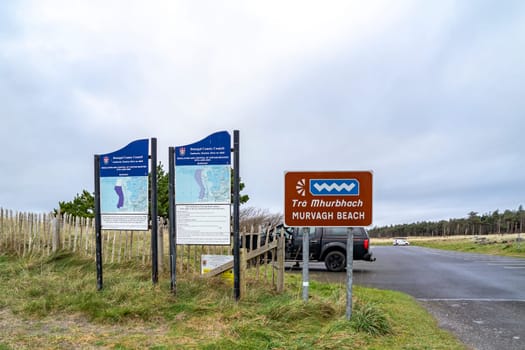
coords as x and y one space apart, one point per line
479 298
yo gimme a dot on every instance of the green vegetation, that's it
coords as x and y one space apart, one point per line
482 245
53 303
83 205
510 221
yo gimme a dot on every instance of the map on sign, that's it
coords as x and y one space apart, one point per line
124 194
202 184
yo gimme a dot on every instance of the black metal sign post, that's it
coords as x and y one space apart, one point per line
98 227
236 203
172 217
154 216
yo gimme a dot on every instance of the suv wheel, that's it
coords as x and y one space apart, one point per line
335 261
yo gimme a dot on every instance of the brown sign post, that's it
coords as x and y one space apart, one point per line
331 198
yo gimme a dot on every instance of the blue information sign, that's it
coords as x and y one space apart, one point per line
131 160
213 150
203 190
124 187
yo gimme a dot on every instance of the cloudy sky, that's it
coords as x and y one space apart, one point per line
427 94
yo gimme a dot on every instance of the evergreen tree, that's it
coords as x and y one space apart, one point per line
82 205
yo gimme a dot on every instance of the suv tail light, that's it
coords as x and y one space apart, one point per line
366 243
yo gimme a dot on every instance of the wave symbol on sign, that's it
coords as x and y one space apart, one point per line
334 186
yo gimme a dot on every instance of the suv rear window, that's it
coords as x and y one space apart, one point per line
337 230
357 231
360 232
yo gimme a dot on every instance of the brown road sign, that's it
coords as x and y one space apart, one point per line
328 198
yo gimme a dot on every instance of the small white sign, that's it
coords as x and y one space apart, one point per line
210 262
203 224
124 221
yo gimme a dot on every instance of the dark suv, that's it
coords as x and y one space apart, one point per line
328 244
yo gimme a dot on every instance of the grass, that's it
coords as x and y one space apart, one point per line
504 245
53 303
465 245
491 245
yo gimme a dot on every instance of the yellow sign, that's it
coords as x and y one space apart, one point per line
210 262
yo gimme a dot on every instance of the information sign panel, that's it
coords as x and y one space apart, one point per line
124 187
329 198
203 190
210 262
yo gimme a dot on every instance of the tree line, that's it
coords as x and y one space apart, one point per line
509 221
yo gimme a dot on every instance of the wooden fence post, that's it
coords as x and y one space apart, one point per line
257 246
160 247
12 219
1 228
56 233
114 247
65 228
243 267
19 239
120 246
280 263
48 231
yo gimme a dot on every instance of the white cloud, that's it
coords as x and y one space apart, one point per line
426 95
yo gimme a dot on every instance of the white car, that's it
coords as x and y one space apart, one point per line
400 241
